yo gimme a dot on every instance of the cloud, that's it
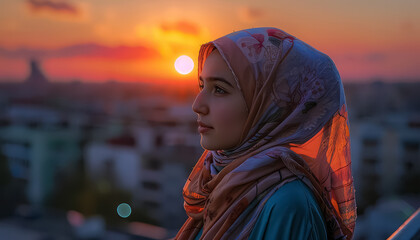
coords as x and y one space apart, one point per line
55 6
88 50
250 14
181 26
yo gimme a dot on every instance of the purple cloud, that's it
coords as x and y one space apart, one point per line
88 50
53 5
372 57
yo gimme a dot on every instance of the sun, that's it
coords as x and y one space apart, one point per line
184 64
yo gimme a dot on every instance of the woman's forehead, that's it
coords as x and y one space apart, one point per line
216 69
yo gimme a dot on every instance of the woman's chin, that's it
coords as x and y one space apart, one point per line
208 144
214 145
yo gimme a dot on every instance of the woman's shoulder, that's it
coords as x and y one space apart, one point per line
294 195
290 213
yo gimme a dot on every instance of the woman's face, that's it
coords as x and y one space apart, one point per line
219 105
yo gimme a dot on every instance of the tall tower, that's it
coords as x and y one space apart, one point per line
36 85
36 75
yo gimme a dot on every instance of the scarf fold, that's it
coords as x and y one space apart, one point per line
297 128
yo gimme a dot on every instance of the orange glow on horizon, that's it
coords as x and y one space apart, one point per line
133 42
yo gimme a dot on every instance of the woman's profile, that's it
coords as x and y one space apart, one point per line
273 122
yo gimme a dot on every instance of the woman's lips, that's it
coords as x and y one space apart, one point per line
203 128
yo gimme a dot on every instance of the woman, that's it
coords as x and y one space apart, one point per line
273 123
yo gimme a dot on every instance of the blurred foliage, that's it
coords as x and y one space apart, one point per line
11 189
5 175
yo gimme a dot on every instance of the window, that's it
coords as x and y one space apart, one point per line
150 204
370 142
153 164
151 185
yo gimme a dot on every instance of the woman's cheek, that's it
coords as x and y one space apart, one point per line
228 116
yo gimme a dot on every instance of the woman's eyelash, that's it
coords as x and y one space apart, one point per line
201 86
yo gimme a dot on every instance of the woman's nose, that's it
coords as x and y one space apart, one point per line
200 106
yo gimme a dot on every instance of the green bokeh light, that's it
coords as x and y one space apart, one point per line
124 210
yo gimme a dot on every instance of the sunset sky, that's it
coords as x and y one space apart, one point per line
133 40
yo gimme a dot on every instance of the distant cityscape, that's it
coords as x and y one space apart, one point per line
72 152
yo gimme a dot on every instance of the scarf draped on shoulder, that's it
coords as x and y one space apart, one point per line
297 128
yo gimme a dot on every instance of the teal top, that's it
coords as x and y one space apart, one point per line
290 213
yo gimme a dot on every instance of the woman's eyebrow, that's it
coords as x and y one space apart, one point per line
218 79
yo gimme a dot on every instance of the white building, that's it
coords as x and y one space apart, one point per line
385 155
163 177
36 156
116 160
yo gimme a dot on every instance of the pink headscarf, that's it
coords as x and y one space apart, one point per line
297 128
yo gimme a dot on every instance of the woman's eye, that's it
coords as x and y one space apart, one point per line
219 90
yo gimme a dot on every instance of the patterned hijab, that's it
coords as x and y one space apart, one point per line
297 128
